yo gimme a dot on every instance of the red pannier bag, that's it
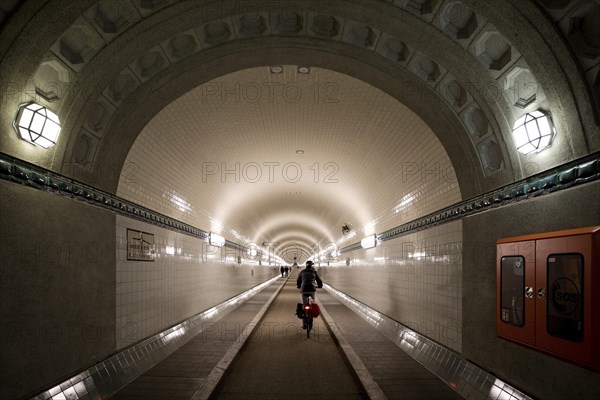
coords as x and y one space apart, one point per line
315 310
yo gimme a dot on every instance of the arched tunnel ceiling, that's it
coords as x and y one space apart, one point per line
467 68
224 157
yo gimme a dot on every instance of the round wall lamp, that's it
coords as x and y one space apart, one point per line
38 125
533 132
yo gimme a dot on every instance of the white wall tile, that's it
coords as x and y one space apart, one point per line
151 296
423 293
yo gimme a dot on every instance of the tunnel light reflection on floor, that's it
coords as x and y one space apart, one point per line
107 377
467 379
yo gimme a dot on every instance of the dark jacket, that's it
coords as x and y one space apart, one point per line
308 280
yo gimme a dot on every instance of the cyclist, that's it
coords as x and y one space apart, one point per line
308 281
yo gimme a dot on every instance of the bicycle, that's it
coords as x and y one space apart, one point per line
307 320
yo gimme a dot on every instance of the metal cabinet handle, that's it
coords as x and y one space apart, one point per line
541 293
529 292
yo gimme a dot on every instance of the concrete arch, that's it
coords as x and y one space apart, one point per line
548 62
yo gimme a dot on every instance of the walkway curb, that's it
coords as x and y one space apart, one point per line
366 379
214 377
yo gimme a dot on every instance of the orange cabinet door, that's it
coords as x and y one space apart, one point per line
563 294
515 281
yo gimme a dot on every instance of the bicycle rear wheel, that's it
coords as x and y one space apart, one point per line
309 323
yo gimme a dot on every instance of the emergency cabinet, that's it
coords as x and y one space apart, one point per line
548 293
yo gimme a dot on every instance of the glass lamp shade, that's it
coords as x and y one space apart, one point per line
38 125
533 132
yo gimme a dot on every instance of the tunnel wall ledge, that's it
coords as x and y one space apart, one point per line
108 376
461 375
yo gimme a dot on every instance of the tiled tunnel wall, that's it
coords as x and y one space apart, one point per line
69 298
441 282
183 280
65 251
415 279
57 288
539 375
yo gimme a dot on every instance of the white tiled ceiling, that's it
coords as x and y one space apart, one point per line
224 158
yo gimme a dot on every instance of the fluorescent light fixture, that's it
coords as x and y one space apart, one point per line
216 240
533 132
38 125
368 242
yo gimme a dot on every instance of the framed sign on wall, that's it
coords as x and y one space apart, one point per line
140 245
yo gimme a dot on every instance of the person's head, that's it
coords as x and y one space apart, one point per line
309 264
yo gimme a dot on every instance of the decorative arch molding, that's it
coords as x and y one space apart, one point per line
136 113
211 33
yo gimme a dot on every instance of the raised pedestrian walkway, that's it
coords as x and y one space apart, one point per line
259 351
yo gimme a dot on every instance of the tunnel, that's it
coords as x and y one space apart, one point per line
163 160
